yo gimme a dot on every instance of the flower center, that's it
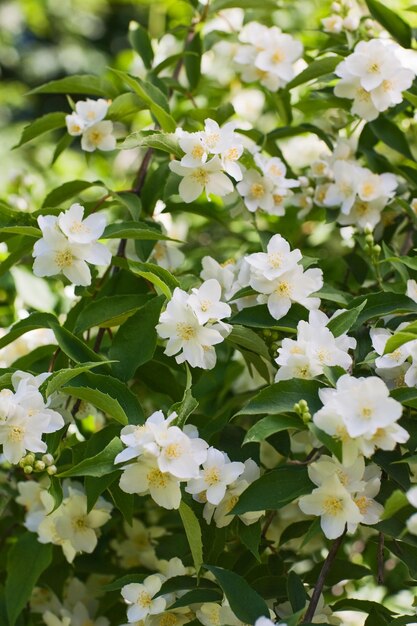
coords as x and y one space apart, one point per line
362 503
200 176
257 190
157 479
363 95
212 476
278 56
361 208
212 139
144 600
169 619
386 85
185 331
78 227
16 433
374 68
80 523
197 152
283 289
95 137
275 170
275 259
233 500
277 198
366 412
64 258
173 451
332 505
368 189
205 305
232 154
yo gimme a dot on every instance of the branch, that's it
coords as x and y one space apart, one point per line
322 578
381 564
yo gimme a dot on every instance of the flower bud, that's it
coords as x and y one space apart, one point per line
51 470
39 466
28 469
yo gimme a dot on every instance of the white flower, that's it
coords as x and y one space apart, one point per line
256 191
75 124
56 253
141 600
379 338
99 137
218 140
179 324
206 304
78 526
332 24
144 476
374 77
79 230
294 285
217 473
224 273
207 177
91 111
195 152
335 506
277 259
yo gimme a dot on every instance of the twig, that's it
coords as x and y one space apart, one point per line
53 359
322 578
380 556
268 522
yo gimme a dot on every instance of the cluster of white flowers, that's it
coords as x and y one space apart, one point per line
395 367
88 121
201 173
314 348
79 605
340 181
24 344
360 414
344 495
280 279
68 243
193 324
267 55
70 525
165 456
374 77
345 17
25 417
267 189
412 521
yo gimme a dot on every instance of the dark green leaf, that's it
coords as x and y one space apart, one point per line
140 41
281 397
193 532
99 399
272 424
98 465
391 21
344 321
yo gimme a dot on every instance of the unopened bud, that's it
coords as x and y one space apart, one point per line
28 469
376 250
51 470
39 466
369 239
29 459
48 459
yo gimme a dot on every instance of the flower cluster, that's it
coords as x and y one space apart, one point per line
68 243
267 189
71 525
344 495
360 413
314 348
345 17
280 279
164 456
374 77
88 121
395 367
25 417
267 55
193 324
201 173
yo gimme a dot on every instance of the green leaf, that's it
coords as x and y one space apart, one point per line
158 276
270 425
391 21
87 84
248 339
153 98
192 62
383 303
396 501
140 41
153 139
408 333
296 592
193 532
274 490
219 5
259 317
26 561
72 346
28 231
68 190
332 444
341 569
187 404
109 311
390 133
54 382
344 321
134 230
99 399
44 124
316 69
33 321
132 348
281 397
197 596
99 465
125 105
250 536
123 501
245 603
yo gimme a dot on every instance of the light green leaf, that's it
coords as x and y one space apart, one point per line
109 311
391 21
152 139
140 41
248 339
99 399
87 84
98 465
281 397
316 69
344 321
134 230
57 380
193 532
28 231
68 190
44 124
